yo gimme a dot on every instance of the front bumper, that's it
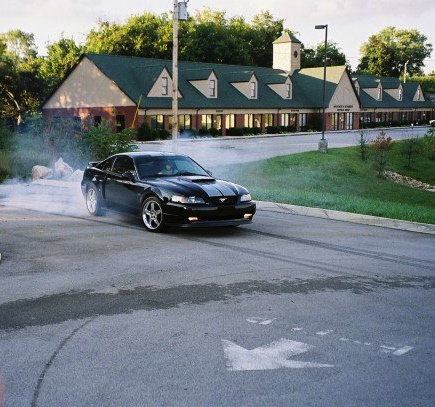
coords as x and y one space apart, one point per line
208 215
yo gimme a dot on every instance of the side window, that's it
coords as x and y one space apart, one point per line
106 165
123 164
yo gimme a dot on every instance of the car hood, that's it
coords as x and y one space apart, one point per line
199 186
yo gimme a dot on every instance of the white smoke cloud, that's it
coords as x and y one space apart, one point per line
50 196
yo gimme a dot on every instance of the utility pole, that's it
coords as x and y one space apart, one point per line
323 144
175 75
404 72
180 13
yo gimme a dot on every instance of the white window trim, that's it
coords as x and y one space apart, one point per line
212 88
253 89
165 86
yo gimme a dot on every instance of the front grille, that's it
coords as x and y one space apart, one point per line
224 200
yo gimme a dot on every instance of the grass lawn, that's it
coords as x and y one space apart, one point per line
339 180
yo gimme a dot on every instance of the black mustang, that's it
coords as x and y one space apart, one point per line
164 189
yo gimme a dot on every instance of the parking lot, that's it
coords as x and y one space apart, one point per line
292 310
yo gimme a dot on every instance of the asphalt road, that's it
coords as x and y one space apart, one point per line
289 311
220 151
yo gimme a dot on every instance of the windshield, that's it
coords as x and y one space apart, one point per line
168 166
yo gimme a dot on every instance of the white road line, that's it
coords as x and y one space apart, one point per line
387 347
323 333
260 321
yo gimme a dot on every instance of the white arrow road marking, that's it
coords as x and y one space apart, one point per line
402 351
272 356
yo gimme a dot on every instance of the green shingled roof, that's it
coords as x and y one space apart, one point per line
387 83
136 76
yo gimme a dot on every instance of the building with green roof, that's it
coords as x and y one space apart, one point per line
130 91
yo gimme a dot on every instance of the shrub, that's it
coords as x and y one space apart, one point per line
411 149
5 170
204 131
98 142
216 132
429 143
363 146
273 129
235 131
144 133
381 147
7 138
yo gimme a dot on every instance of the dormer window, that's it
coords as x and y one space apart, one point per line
212 88
418 94
400 94
165 87
253 90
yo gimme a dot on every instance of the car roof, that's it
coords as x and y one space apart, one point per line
136 154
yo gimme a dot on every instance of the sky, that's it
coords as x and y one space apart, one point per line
350 22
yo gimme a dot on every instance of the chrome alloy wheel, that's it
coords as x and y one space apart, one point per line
92 201
152 215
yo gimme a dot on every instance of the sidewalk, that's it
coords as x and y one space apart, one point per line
346 217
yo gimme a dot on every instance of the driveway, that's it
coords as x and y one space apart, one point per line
291 310
220 151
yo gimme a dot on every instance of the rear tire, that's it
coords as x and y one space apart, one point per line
152 215
93 201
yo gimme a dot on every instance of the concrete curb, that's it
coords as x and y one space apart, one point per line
346 217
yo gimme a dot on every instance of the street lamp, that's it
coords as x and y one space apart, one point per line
323 144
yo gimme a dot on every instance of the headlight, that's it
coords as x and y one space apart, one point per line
245 198
187 199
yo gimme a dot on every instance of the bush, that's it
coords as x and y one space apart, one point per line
429 143
381 147
7 138
144 133
204 131
161 134
5 170
411 149
363 146
235 132
273 130
98 142
216 132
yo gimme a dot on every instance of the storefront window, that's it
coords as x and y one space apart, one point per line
157 121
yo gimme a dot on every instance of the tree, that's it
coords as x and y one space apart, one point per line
312 58
21 88
146 35
387 52
61 56
210 37
264 30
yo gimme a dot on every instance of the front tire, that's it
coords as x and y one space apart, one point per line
152 215
93 201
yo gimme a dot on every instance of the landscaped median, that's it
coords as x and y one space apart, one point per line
341 181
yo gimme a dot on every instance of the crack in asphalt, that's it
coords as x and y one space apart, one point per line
57 308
